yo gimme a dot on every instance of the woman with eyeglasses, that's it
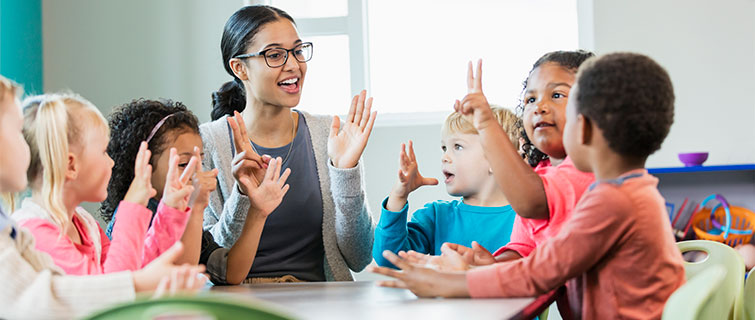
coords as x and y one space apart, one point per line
322 227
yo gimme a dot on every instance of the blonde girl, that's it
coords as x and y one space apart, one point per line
68 138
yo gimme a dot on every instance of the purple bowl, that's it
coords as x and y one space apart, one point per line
692 159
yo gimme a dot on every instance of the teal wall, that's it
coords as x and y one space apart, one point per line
21 43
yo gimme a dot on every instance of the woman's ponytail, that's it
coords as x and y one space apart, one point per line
229 98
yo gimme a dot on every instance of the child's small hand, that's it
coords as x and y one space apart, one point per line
183 280
409 179
422 281
205 183
177 188
267 195
444 262
475 106
141 189
477 255
151 276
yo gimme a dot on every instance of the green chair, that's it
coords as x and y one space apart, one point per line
729 296
208 306
749 299
694 298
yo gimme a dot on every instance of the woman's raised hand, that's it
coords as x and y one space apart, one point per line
346 144
140 190
248 166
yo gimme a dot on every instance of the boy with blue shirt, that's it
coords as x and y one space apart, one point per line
483 214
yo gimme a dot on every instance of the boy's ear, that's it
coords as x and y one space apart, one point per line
585 129
239 68
72 167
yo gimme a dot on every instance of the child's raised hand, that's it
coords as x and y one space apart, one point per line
345 145
267 195
409 179
141 189
178 189
248 166
421 280
205 183
475 106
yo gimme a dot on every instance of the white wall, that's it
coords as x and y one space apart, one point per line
708 48
113 51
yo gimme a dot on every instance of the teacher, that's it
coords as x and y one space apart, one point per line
323 227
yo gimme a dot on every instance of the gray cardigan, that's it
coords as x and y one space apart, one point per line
347 227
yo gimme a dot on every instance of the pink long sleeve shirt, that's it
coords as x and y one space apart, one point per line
132 247
564 185
617 248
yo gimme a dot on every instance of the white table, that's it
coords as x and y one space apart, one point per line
365 300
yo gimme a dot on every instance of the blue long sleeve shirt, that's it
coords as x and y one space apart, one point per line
438 222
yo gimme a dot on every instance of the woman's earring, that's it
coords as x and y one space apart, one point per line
490 171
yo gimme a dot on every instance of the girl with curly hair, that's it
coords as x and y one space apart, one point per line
170 128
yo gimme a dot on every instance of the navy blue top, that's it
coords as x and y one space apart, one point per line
291 241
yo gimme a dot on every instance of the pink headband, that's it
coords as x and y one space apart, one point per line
157 127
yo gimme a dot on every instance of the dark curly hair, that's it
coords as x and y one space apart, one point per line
238 33
630 98
130 124
569 60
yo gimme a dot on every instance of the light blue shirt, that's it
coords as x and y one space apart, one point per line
438 222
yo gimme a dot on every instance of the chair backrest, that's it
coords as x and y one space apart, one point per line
749 296
693 299
731 291
208 306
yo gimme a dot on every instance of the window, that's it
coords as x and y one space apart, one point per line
412 55
338 67
419 49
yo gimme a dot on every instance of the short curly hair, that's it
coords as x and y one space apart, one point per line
630 98
569 60
132 123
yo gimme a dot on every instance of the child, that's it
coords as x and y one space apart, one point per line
620 112
483 214
168 124
544 198
68 137
164 124
34 287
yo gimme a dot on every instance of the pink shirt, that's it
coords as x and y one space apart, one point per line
564 185
618 247
97 254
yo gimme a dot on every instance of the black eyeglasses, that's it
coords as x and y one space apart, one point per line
276 57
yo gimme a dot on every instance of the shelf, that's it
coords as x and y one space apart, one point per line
735 167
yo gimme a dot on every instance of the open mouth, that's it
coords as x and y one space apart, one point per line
290 85
449 176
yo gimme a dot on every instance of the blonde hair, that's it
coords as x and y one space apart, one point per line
10 89
54 123
455 123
